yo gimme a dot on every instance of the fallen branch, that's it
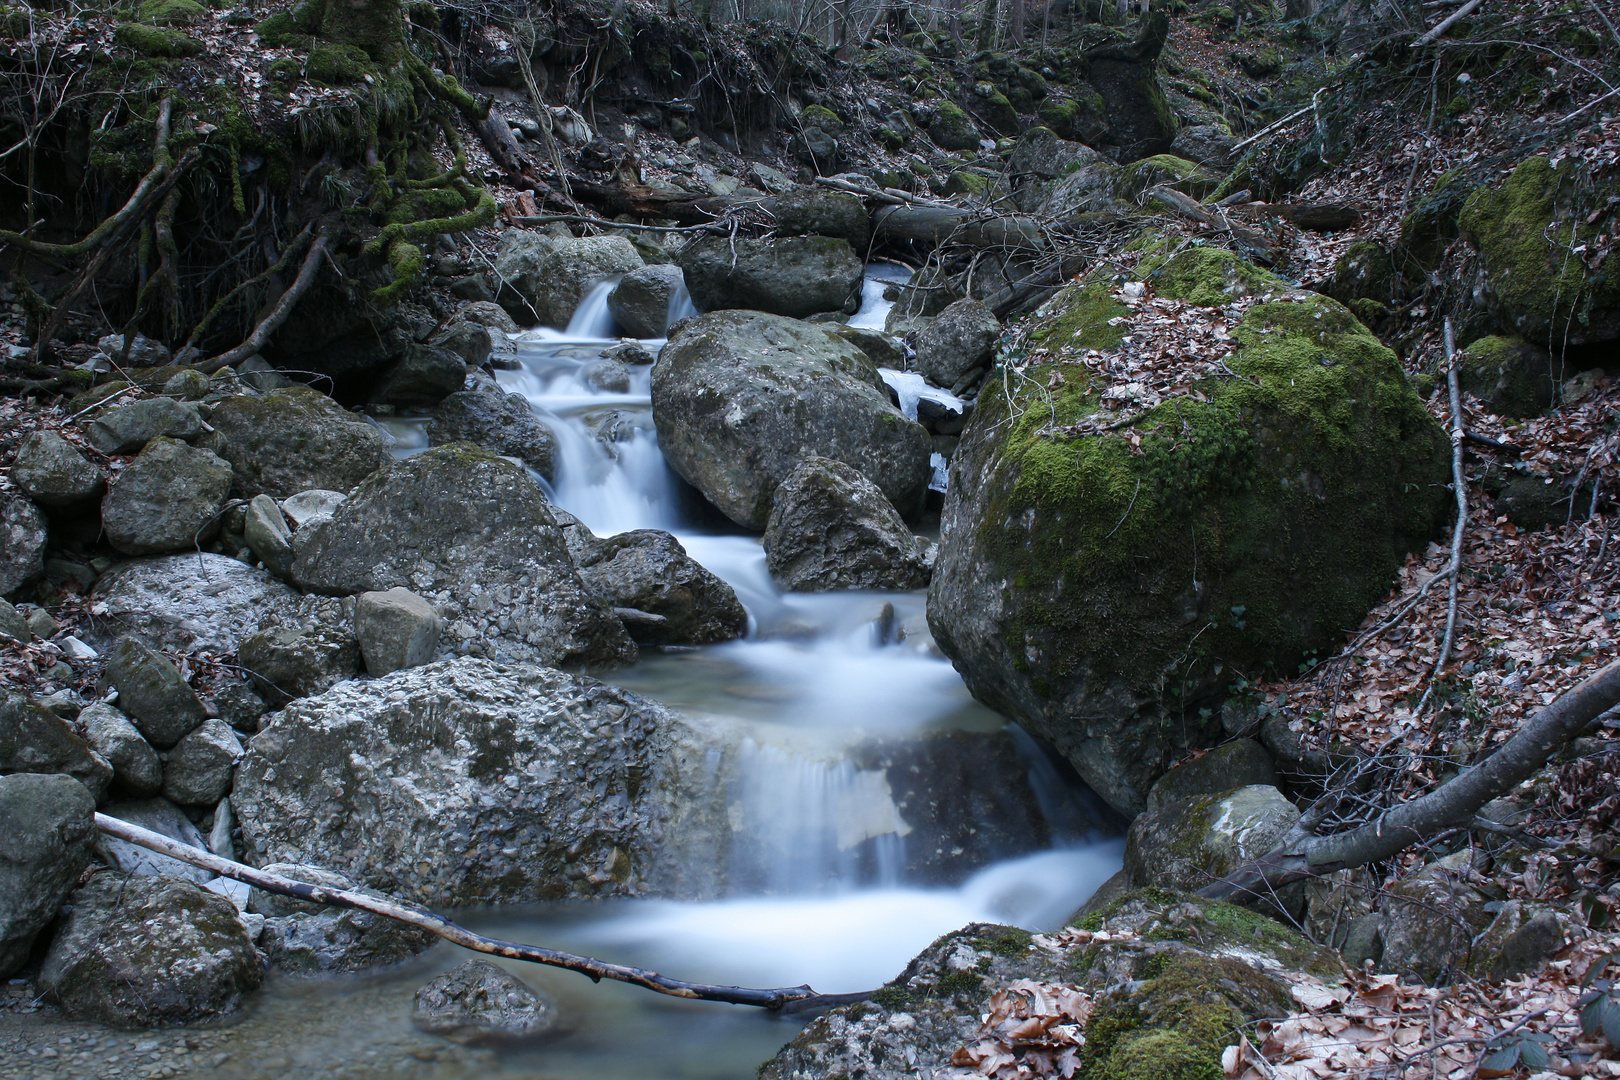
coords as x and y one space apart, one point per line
1278 126
1446 24
278 315
1450 806
782 999
1460 485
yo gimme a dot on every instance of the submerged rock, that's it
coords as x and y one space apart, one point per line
479 1000
831 528
44 847
148 951
740 397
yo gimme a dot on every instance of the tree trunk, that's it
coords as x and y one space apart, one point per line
377 26
1017 31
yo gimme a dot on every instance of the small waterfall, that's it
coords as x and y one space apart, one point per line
592 319
680 305
874 310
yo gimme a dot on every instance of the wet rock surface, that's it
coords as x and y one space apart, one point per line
501 423
640 303
480 1000
831 528
199 601
649 573
44 847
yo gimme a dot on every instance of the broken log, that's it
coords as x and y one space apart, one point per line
939 224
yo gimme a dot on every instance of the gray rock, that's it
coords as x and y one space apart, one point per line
149 952
396 629
160 816
152 694
1089 187
648 571
794 276
167 499
51 471
137 772
188 385
44 847
517 270
960 340
267 535
332 942
883 350
239 706
292 440
640 302
35 740
607 375
501 423
126 429
479 1000
1040 154
819 212
569 269
740 397
1529 946
274 905
631 353
41 624
12 623
455 784
1206 144
198 772
816 149
1239 763
143 351
832 528
287 662
488 314
1511 376
259 374
308 505
468 338
22 543
425 376
178 602
1188 843
473 535
1430 919
1533 503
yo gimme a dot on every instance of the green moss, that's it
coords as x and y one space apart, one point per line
958 982
1082 318
966 182
1005 941
1510 375
1167 169
156 40
332 64
172 12
952 128
15 22
1157 1055
1207 276
824 118
1432 224
892 997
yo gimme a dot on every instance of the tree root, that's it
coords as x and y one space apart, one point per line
278 315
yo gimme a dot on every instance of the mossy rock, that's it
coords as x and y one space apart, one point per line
288 29
966 182
952 128
332 64
998 111
172 12
1525 231
1068 589
1185 176
1080 117
1431 225
1217 927
15 22
1510 375
156 40
1365 271
824 118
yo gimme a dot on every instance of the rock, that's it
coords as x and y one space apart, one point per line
35 740
1526 948
1582 385
44 847
1239 763
740 397
143 351
1039 153
1165 170
267 535
160 816
832 528
453 784
306 938
137 772
961 339
816 149
167 499
501 423
22 543
1534 503
631 353
1088 187
819 212
793 276
1429 920
13 625
569 268
1206 144
1065 567
288 662
259 374
648 571
152 693
478 1000
51 471
126 429
1124 71
640 303
149 952
239 706
396 629
306 506
293 440
1079 117
953 129
883 350
1511 376
490 315
468 338
472 534
198 772
40 623
425 376
1188 843
607 375
517 269
188 384
179 602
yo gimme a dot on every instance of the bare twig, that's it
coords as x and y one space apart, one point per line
1446 24
278 315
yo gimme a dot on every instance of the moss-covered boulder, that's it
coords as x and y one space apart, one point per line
1118 545
293 440
952 128
1081 117
1124 70
1530 232
172 12
1510 375
157 41
1187 843
1168 170
1431 225
1365 281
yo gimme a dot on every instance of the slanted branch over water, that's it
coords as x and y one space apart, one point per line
787 999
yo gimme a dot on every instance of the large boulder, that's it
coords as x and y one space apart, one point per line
167 499
832 528
1510 375
180 602
741 397
1115 548
570 267
291 440
472 534
501 423
517 268
958 342
461 783
51 471
424 376
198 772
35 740
818 212
153 693
1188 843
640 303
148 951
1429 920
44 847
1239 763
22 543
1124 70
672 600
478 1000
793 276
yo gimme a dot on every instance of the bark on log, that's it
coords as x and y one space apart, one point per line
1452 805
937 224
496 135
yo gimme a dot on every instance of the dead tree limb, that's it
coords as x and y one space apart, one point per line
781 999
1450 806
1448 22
278 315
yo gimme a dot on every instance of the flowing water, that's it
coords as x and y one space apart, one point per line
823 883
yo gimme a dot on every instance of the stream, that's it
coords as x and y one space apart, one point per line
818 888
